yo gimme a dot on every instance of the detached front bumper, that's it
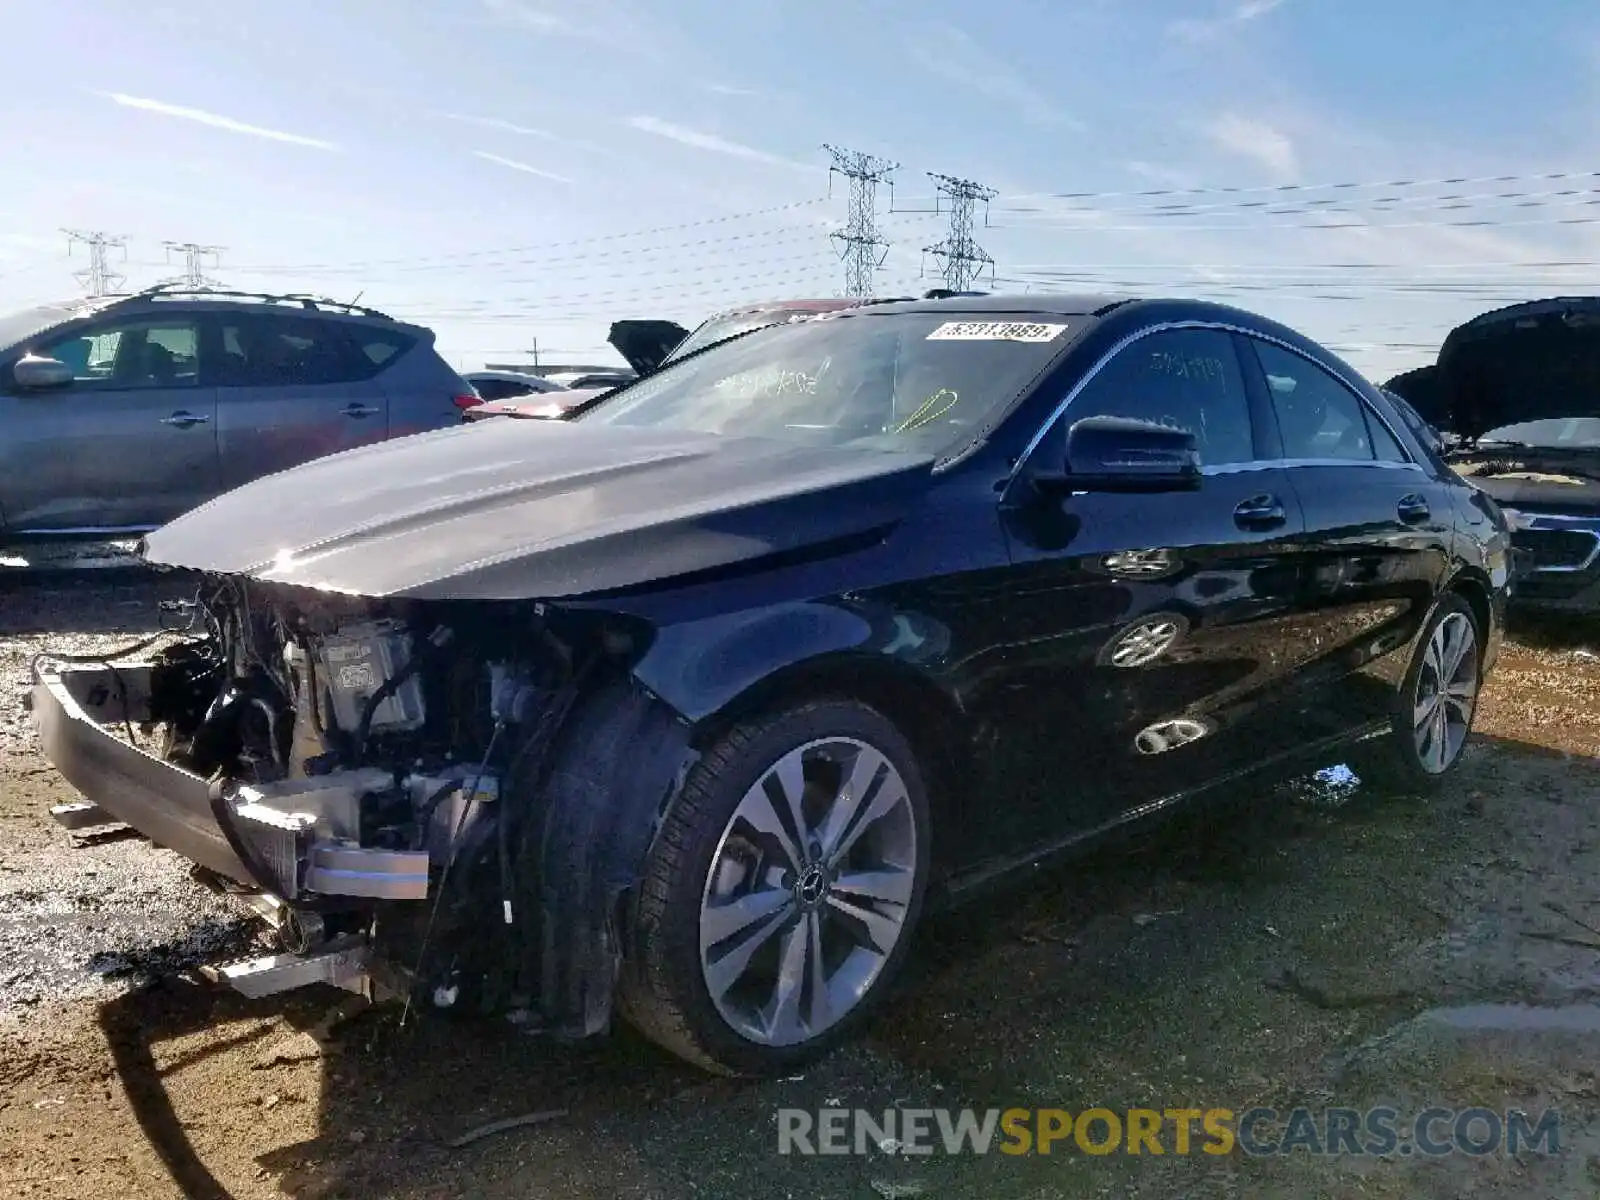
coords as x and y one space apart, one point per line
170 806
274 862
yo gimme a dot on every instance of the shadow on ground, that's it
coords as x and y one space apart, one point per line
1286 949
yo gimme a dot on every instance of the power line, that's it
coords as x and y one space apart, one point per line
194 256
456 258
99 278
861 247
1341 185
963 257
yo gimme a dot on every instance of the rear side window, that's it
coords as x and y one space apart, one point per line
379 346
269 350
1183 378
1318 416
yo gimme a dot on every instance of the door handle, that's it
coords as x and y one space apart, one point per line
1412 509
1259 512
182 419
361 410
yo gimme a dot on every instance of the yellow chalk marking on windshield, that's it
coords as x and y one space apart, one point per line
929 410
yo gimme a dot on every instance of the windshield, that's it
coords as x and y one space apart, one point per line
901 381
1554 433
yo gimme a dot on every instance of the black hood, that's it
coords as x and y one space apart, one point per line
645 344
1529 362
504 510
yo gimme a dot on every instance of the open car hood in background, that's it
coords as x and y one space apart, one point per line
1528 362
645 344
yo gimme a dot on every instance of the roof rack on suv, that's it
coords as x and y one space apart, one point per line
163 291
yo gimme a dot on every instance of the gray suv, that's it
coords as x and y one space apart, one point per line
116 415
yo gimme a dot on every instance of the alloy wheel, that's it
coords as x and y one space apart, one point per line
1446 693
808 892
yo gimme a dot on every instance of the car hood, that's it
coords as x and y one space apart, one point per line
645 344
1529 362
506 510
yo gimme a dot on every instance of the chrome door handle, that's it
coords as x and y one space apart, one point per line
182 420
1259 512
361 410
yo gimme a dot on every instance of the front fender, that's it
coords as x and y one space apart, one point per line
698 667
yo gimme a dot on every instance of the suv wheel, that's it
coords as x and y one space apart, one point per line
779 899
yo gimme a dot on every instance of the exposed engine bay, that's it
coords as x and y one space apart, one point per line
378 771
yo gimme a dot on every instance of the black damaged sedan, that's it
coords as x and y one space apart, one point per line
686 708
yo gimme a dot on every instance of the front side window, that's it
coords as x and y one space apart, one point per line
267 350
919 381
1318 416
130 355
1183 378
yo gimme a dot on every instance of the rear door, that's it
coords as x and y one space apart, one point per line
1379 525
129 444
291 388
1151 637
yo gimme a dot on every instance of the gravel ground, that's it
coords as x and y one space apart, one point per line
1325 945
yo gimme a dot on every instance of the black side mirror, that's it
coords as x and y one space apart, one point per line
1118 454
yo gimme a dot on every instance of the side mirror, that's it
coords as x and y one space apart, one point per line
1117 454
35 373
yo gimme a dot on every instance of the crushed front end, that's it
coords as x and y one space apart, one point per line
395 786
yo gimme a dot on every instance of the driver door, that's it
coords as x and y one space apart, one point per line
129 444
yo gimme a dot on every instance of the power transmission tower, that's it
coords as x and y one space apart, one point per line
194 257
860 246
963 258
99 278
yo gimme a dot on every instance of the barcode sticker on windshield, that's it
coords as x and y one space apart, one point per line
995 331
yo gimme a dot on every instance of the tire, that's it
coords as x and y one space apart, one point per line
721 902
1409 757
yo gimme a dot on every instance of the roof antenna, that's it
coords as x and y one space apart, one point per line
359 294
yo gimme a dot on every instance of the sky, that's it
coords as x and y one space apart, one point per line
520 173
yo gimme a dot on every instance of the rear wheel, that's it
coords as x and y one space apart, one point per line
779 899
1435 704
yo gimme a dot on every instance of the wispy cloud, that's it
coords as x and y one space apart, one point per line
712 142
525 168
1200 29
615 24
724 89
1167 177
953 55
525 15
502 125
1263 144
215 120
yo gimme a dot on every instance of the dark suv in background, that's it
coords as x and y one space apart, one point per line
121 413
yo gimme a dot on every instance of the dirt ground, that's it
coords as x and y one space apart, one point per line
1323 945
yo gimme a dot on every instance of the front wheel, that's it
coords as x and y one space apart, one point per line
1436 701
778 901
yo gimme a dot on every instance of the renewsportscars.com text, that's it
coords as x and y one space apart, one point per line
1257 1132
